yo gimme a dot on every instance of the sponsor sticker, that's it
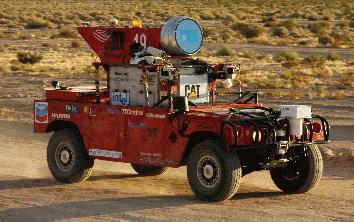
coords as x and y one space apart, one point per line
133 112
112 111
41 112
120 98
192 91
101 35
194 87
155 115
155 158
105 153
60 116
136 124
72 109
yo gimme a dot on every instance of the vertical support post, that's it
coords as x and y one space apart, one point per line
238 80
146 87
97 83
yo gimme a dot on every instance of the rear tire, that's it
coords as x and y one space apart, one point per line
66 157
213 174
302 173
145 170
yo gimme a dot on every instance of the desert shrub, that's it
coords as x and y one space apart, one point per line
340 38
269 19
289 24
303 42
263 39
46 44
333 56
27 57
295 94
248 30
348 79
207 16
84 17
295 15
54 19
315 61
207 32
226 36
248 53
229 19
347 9
312 16
225 51
338 94
343 24
98 16
270 24
75 44
320 28
15 67
279 31
37 23
351 24
288 58
67 33
3 21
326 40
321 92
287 75
5 16
295 33
328 16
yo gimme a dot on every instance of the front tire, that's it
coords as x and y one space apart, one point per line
213 174
66 157
301 173
145 170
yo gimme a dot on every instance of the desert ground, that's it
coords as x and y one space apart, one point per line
295 52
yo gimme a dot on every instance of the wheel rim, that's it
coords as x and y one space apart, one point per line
64 156
296 167
208 171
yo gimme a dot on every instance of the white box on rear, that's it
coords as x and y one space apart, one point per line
295 111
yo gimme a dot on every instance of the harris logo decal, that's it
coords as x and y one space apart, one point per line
41 112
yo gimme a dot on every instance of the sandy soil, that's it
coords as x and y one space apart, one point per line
115 193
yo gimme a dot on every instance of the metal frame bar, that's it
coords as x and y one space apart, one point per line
253 95
268 121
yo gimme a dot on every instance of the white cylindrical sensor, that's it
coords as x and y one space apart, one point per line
155 52
296 126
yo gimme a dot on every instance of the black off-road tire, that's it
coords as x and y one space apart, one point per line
79 165
145 170
213 174
308 171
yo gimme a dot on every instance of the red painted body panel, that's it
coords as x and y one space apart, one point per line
139 134
112 44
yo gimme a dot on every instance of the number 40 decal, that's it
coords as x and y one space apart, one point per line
140 39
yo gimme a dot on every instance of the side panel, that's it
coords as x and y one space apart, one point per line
133 135
102 137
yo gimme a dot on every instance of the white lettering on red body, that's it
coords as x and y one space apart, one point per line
60 116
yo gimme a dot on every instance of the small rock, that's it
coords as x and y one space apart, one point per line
327 153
